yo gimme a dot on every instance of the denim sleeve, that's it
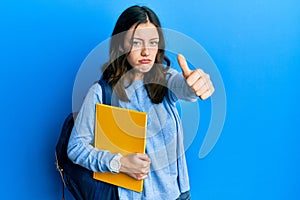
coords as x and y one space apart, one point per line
81 148
178 88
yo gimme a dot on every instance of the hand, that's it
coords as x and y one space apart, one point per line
197 79
136 165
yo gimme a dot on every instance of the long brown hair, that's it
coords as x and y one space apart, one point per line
113 71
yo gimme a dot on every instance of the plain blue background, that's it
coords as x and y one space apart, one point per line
255 44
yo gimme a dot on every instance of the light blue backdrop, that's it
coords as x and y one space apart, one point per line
255 44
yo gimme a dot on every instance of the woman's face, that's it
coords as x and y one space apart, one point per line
144 47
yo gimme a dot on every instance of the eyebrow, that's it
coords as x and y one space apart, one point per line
136 38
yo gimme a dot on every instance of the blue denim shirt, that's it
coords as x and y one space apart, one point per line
168 176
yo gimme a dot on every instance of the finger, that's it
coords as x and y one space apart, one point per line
144 170
198 85
183 65
202 90
207 87
143 157
194 77
141 176
207 93
144 166
203 81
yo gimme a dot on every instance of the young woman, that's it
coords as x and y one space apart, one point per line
140 75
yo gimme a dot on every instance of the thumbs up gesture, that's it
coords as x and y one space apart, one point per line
197 79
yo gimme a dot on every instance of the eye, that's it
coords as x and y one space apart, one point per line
154 43
136 43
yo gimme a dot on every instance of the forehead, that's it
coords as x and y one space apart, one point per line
145 31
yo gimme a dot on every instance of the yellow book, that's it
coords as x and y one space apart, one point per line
122 131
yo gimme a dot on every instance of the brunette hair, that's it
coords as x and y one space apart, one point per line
113 71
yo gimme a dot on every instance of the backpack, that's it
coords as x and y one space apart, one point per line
77 179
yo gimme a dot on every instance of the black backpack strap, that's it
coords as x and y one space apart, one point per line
64 138
106 91
61 153
61 172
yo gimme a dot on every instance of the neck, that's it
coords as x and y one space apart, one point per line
133 76
138 76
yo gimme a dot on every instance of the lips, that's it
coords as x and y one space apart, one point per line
145 61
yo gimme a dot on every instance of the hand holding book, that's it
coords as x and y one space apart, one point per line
136 165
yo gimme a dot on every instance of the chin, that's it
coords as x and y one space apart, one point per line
145 69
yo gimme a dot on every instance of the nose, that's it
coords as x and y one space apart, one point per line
145 51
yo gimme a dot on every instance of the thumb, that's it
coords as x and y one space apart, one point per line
183 65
